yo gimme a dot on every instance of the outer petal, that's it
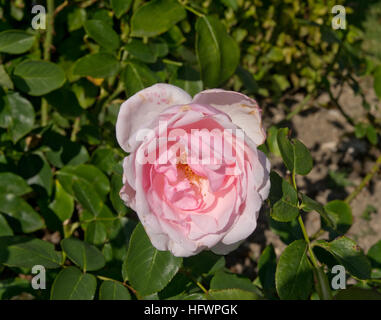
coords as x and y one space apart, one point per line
243 110
264 188
247 221
221 248
138 111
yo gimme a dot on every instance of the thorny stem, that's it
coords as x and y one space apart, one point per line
47 45
199 14
365 181
317 234
122 283
301 223
322 282
189 8
44 112
75 130
341 110
49 29
175 63
198 283
61 7
305 235
201 287
300 106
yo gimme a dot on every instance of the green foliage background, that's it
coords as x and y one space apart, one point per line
60 165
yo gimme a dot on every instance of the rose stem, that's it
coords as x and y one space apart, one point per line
365 181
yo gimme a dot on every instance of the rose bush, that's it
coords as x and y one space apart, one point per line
192 195
63 78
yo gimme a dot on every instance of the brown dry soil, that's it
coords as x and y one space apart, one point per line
334 147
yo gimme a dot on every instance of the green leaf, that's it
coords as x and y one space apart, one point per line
232 294
144 264
86 92
104 159
95 233
276 192
371 134
90 134
230 3
287 231
102 14
191 296
76 18
65 102
360 130
12 183
175 37
349 254
5 229
117 202
266 271
374 255
87 196
119 234
137 76
322 285
302 158
19 251
61 151
63 203
120 7
355 293
205 263
338 179
161 14
294 277
37 172
5 80
159 46
312 205
188 79
37 78
84 255
86 173
284 211
224 280
177 288
12 287
280 82
97 65
295 154
217 53
15 41
102 33
72 284
286 208
286 149
26 219
340 212
272 141
18 116
141 51
112 290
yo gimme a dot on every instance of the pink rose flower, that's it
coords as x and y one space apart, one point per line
194 174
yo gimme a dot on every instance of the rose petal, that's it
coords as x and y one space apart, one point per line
180 251
247 221
264 189
138 111
243 110
221 248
